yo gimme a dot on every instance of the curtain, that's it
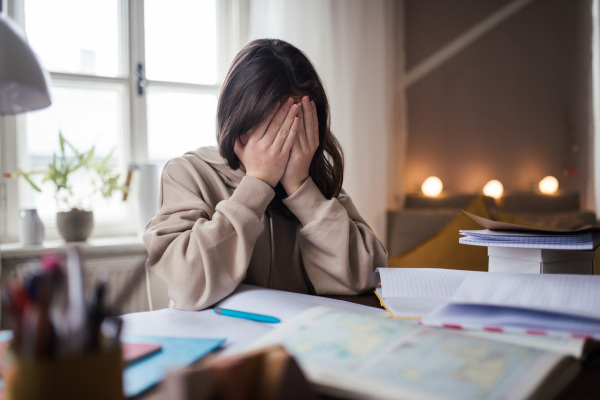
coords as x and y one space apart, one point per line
351 43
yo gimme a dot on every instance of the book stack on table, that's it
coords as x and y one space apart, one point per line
524 249
540 261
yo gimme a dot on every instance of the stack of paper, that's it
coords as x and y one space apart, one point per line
534 240
524 249
540 261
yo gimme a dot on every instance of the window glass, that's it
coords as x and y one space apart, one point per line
85 46
179 122
76 36
181 41
87 115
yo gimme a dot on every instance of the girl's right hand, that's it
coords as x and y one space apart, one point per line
265 150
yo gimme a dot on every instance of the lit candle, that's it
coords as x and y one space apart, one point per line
493 189
548 185
432 186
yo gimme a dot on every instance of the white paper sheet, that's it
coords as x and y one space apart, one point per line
420 282
572 294
413 292
284 305
198 324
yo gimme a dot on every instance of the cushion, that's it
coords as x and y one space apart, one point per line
409 227
442 250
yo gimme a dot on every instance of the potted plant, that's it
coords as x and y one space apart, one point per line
75 223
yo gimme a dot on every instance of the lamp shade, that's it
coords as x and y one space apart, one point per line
23 81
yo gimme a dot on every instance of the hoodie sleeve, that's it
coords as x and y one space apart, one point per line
339 250
200 250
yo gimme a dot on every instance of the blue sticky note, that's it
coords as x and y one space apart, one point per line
175 353
4 336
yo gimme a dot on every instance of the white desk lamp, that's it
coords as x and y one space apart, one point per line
24 84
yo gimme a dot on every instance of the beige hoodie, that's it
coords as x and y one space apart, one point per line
212 233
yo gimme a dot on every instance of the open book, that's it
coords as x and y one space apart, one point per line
369 357
549 305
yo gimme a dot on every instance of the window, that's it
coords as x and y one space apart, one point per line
141 77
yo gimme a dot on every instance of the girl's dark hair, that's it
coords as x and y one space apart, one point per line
265 72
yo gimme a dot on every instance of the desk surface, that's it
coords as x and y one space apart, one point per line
584 386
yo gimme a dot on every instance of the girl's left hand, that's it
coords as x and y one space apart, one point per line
303 149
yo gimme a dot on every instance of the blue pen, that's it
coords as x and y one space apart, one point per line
246 315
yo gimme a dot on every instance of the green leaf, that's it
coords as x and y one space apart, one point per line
28 179
61 142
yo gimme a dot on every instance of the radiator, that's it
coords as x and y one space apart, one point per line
116 271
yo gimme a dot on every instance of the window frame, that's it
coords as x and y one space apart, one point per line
231 34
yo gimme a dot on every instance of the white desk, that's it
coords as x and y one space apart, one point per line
239 332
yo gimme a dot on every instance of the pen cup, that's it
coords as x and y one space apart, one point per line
90 376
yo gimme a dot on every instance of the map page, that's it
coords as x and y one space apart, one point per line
366 356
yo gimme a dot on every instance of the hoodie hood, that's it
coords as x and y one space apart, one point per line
212 157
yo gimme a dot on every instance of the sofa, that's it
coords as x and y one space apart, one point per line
425 232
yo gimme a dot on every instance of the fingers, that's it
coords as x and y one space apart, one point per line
311 123
279 120
301 133
291 137
284 134
264 125
315 121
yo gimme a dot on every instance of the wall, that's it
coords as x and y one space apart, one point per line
510 106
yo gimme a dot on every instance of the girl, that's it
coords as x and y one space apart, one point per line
267 208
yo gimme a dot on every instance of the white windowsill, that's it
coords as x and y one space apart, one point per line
92 247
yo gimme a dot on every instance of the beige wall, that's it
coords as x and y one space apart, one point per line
498 109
